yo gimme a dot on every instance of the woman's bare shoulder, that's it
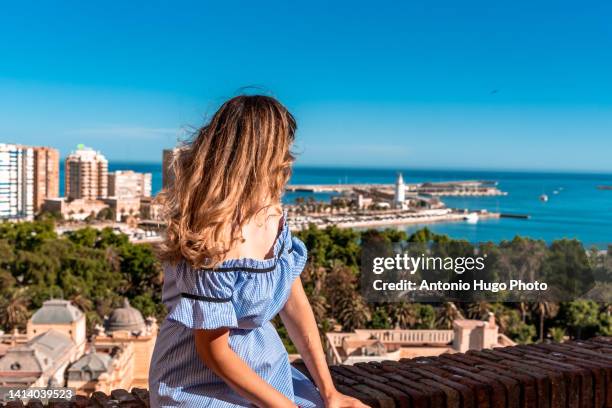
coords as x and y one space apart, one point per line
260 234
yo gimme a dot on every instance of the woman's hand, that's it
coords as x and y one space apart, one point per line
339 400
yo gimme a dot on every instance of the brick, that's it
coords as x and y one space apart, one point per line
366 399
126 399
420 397
498 397
511 387
482 392
383 400
589 379
81 401
142 395
540 395
465 392
101 400
558 388
579 383
60 404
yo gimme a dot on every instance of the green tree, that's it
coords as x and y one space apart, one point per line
604 326
14 311
567 269
518 330
557 334
426 316
580 315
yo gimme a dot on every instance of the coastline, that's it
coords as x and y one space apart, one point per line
398 221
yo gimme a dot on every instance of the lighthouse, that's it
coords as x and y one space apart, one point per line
399 201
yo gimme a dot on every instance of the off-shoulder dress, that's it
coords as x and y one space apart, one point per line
240 294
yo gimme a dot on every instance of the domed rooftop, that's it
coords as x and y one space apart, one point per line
90 366
92 361
125 318
57 311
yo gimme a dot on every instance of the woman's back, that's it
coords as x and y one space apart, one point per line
258 235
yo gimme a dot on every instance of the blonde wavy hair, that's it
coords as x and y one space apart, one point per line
235 166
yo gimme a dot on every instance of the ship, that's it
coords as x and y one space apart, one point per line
471 218
544 198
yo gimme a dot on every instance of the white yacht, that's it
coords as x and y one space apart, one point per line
471 218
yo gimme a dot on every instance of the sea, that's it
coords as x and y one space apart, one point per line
578 209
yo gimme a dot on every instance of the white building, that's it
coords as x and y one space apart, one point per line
16 182
365 345
129 184
399 199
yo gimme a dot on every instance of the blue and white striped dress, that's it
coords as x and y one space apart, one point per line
243 295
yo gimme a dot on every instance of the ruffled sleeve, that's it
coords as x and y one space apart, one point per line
205 299
298 253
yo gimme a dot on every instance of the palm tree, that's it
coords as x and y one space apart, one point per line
447 314
81 302
524 308
403 315
14 309
503 320
339 288
354 313
318 303
544 310
478 310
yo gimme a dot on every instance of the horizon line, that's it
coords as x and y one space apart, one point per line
403 168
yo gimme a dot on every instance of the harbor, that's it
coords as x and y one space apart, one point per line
379 205
387 219
440 189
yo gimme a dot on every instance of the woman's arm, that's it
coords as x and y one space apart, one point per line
299 320
213 348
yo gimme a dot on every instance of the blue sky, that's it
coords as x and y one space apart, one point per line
439 84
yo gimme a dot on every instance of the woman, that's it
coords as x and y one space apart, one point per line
231 265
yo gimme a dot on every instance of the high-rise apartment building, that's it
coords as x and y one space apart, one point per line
167 174
16 181
46 175
129 184
86 174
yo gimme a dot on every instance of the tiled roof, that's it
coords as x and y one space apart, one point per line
38 354
573 374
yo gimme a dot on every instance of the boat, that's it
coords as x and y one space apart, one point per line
604 187
471 218
544 198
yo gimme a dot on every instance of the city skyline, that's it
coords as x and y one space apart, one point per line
487 86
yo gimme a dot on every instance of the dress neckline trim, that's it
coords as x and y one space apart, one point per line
256 265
